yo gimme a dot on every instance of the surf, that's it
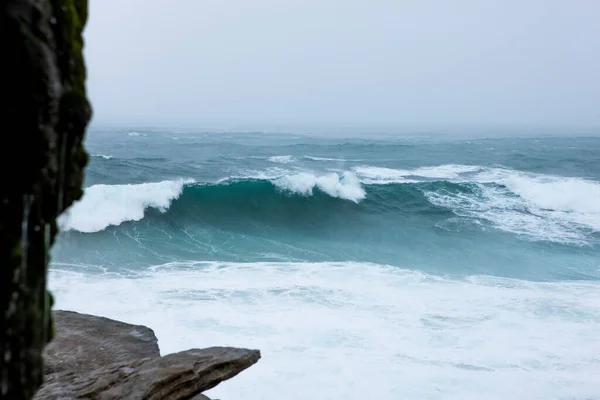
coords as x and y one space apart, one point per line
534 206
432 333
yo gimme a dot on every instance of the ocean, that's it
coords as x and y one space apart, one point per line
380 267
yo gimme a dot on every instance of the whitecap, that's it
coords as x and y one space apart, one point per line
104 156
105 205
281 159
340 327
346 186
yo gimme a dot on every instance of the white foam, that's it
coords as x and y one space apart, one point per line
542 207
574 200
106 157
266 174
361 331
345 186
509 213
281 159
447 171
382 175
326 159
105 205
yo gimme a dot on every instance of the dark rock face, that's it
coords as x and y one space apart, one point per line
99 358
83 343
172 377
44 116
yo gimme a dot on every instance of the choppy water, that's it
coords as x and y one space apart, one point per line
393 268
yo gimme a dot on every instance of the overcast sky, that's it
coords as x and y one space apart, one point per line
345 62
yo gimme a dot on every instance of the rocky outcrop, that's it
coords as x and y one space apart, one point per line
44 114
83 343
99 358
172 377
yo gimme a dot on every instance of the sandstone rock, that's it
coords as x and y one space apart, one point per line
172 377
84 342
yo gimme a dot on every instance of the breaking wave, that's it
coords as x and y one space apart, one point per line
536 206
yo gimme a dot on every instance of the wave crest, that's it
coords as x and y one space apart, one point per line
281 159
105 205
346 187
111 205
534 206
104 156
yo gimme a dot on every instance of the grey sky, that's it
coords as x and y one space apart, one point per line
345 62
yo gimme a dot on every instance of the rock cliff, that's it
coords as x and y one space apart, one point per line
44 115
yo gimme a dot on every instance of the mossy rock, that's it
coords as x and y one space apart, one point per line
42 161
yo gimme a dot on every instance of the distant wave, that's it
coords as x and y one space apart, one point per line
380 175
281 159
106 157
539 207
325 159
134 133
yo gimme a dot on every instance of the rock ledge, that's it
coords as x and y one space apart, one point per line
99 358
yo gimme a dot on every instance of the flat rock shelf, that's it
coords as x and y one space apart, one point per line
98 358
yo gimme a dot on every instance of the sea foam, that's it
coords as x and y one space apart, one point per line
360 331
539 206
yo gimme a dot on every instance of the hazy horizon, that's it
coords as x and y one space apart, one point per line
333 65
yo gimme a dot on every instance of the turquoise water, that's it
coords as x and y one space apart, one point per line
463 266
